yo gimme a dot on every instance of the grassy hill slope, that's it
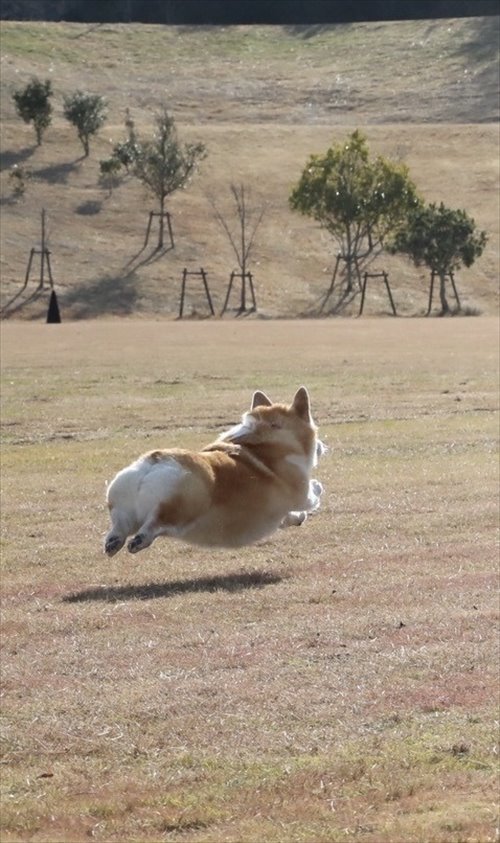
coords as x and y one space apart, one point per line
261 99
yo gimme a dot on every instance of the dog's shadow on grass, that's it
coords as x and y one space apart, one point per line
153 590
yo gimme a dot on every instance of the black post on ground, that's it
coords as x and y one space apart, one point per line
53 314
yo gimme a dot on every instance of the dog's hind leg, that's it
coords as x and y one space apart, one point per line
168 520
141 540
146 534
117 535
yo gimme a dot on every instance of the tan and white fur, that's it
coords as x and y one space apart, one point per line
253 479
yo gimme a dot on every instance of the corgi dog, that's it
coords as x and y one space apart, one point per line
253 479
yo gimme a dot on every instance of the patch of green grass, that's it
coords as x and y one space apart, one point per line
72 44
319 795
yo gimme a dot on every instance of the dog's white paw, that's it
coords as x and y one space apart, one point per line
317 488
321 449
293 519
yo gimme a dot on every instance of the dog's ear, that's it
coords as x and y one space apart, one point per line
260 399
301 404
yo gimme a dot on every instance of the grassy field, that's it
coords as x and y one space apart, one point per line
335 682
262 99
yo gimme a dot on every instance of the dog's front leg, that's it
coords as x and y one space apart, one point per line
314 495
297 517
293 519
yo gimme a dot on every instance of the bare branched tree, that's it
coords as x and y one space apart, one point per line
240 228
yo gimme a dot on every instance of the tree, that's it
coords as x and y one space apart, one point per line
163 165
33 105
109 173
441 239
87 112
128 152
359 201
241 234
240 228
125 155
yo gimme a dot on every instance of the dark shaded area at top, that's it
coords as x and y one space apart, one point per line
227 12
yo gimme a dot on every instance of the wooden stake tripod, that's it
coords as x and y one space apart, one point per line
201 273
164 215
383 275
245 277
44 262
431 291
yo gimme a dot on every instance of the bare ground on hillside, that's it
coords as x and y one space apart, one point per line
389 72
262 100
335 682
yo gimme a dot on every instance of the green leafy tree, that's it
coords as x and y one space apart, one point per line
124 156
87 112
33 105
128 152
163 165
441 239
359 201
109 174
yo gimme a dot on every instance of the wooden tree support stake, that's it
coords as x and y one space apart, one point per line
203 275
162 216
431 291
44 262
245 277
383 275
332 283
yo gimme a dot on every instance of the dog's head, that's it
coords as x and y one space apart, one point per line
289 428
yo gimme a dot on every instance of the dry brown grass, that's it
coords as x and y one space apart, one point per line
335 682
262 99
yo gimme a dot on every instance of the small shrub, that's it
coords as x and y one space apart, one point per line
19 178
109 173
32 104
87 112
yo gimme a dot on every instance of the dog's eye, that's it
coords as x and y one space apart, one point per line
276 425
